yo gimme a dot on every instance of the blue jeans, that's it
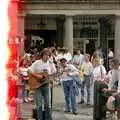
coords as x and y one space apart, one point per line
70 96
86 82
77 84
45 93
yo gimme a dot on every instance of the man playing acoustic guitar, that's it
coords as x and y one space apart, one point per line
43 66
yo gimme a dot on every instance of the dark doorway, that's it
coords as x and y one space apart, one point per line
111 44
49 37
90 48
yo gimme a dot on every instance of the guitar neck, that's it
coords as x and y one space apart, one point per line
51 76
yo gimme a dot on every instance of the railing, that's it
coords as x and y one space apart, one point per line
74 1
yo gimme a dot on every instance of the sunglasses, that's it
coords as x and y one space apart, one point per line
63 62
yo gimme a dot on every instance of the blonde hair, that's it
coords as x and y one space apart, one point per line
97 60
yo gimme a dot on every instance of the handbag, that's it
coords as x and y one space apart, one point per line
111 103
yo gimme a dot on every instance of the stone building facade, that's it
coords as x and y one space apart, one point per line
81 24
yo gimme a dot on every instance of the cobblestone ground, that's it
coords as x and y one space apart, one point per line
84 112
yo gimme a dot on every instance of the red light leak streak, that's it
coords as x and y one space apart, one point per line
12 66
13 17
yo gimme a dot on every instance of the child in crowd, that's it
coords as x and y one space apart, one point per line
23 71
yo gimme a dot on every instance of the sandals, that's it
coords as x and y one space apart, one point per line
30 99
26 100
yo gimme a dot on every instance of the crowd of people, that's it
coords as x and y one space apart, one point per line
77 72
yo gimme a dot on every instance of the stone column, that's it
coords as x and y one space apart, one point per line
60 30
21 28
117 37
68 36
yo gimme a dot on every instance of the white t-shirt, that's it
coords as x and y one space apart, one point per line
110 54
77 60
23 71
115 77
118 87
97 72
67 56
39 66
73 71
109 78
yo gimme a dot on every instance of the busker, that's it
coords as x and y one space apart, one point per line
68 82
43 91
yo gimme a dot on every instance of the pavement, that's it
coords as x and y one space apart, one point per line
84 112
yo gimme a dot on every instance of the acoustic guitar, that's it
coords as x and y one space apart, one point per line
35 83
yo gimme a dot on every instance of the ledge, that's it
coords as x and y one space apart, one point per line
70 2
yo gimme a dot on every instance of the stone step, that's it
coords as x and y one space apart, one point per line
26 110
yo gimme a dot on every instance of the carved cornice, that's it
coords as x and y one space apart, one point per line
73 1
72 7
69 6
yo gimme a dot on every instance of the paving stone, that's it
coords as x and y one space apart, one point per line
84 112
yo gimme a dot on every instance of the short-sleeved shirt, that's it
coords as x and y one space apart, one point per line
23 71
39 66
86 68
115 78
77 60
97 72
73 71
109 77
118 90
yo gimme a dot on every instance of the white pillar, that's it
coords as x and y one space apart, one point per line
117 37
68 38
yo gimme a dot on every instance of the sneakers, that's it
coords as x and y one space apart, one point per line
67 111
26 100
75 113
30 99
88 103
81 102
